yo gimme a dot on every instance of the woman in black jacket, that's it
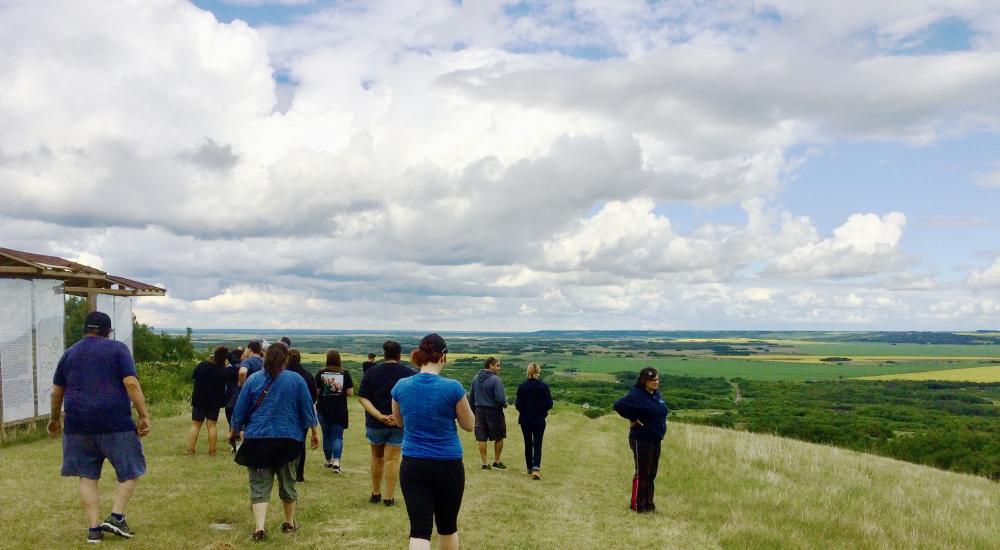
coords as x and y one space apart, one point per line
207 397
533 403
647 412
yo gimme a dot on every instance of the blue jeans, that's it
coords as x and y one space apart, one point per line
333 439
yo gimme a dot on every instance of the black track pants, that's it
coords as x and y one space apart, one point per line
647 460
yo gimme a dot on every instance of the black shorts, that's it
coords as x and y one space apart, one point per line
200 414
490 424
433 492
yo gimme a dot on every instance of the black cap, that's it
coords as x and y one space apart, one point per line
435 342
286 340
99 321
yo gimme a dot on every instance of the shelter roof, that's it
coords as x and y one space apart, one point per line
79 279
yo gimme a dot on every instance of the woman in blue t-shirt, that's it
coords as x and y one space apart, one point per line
432 475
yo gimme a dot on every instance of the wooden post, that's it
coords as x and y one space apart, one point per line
91 296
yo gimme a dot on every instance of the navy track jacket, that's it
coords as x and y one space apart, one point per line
648 408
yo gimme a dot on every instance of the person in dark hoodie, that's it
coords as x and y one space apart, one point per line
295 365
232 384
533 402
647 412
488 401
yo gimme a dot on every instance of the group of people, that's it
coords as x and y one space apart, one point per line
272 404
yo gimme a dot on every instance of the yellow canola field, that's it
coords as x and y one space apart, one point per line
978 374
859 358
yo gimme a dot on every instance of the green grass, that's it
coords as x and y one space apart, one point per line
754 369
716 489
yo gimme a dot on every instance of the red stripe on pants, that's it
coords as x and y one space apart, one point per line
635 491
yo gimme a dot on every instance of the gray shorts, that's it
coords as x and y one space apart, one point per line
84 455
262 481
490 424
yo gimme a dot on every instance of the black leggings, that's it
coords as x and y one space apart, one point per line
433 492
533 434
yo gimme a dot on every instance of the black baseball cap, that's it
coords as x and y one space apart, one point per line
435 342
99 321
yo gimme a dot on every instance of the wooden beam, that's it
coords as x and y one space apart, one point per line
17 269
20 260
111 291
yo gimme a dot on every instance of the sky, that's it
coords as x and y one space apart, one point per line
513 166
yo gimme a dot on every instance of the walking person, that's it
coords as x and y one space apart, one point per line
488 401
368 364
381 430
335 386
232 383
273 411
295 365
432 476
533 402
253 361
647 413
207 397
97 382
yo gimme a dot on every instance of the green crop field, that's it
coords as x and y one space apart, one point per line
716 489
727 367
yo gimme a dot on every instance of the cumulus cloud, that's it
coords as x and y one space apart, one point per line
866 244
986 278
484 162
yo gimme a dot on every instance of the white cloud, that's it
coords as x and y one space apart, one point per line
266 2
986 278
865 245
452 161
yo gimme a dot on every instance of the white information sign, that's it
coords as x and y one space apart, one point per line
119 308
16 350
122 321
50 315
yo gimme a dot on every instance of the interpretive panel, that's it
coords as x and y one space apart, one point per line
119 308
16 353
122 320
49 304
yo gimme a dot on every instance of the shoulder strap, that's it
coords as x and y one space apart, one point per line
263 394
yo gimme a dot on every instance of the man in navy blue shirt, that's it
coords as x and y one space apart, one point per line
383 433
96 379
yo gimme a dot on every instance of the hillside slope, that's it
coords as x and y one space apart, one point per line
717 489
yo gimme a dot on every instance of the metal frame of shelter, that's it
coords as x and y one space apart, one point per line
77 279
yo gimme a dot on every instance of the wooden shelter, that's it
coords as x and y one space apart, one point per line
32 317
78 279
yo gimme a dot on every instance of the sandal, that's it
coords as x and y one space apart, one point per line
259 535
289 528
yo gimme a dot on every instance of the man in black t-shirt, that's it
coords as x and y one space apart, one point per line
383 432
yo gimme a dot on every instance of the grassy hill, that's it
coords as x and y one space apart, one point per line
716 489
